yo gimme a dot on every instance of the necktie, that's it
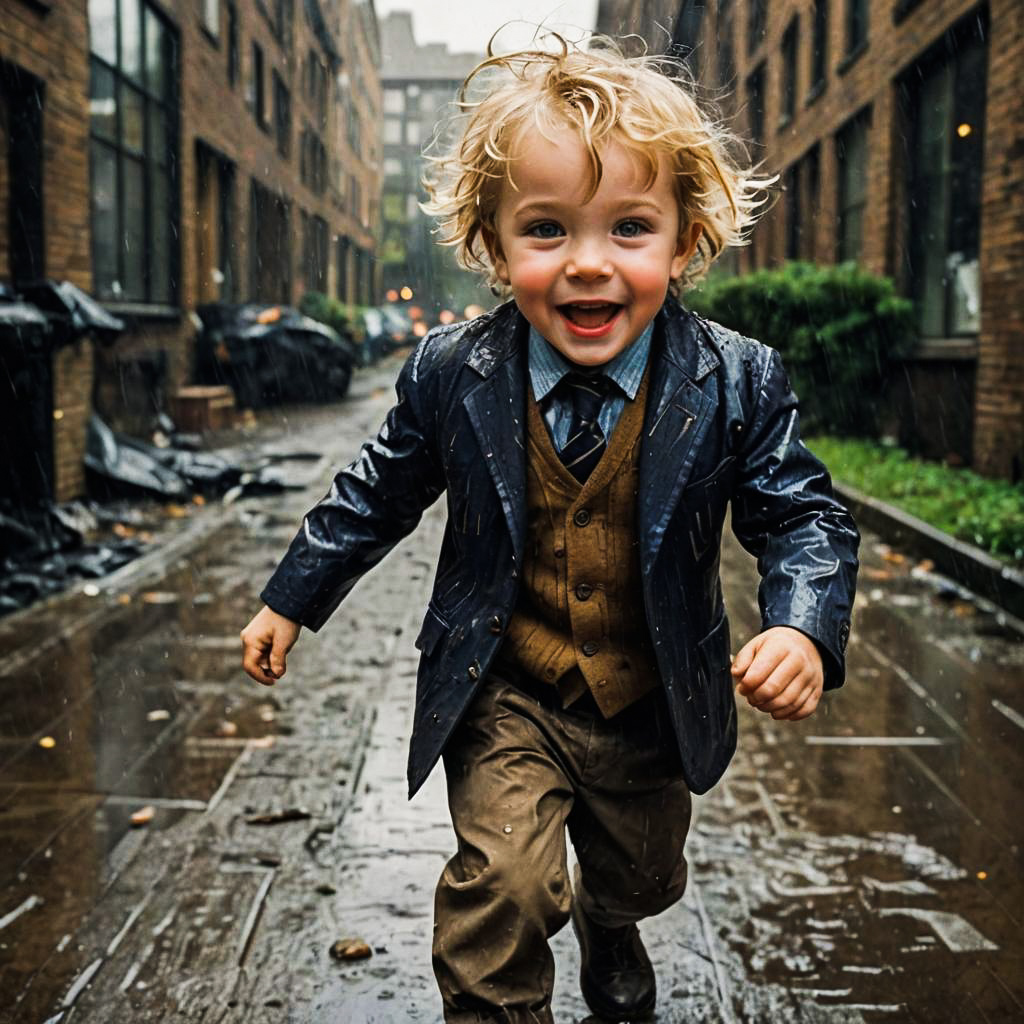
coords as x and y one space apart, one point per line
586 442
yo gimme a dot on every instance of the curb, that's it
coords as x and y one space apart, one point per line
967 565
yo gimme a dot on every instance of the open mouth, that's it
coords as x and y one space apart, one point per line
590 315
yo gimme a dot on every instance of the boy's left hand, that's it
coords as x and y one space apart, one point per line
780 673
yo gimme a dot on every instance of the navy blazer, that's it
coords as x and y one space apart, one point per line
721 426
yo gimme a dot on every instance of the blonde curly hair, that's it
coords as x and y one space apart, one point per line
645 103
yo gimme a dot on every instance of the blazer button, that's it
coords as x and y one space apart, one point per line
590 648
582 517
474 670
496 626
583 591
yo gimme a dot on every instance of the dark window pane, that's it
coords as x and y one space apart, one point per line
156 55
105 233
134 233
161 244
131 40
103 29
102 103
158 141
133 116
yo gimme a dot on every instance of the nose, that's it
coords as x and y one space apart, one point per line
589 261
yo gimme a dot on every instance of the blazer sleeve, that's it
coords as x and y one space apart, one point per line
372 504
784 513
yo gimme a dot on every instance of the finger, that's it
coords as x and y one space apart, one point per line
767 662
789 696
746 655
803 708
254 661
278 660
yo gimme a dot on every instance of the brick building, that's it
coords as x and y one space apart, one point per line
420 84
897 127
165 154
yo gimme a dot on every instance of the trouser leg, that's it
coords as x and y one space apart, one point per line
629 821
506 891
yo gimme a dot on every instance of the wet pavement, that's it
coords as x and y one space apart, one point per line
864 865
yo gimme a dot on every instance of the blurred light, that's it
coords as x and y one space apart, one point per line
963 130
446 316
472 310
392 295
419 328
415 312
58 414
269 316
48 742
406 293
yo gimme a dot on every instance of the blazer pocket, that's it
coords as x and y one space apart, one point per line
714 650
432 630
713 477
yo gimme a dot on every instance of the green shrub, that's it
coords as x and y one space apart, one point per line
838 328
988 513
328 311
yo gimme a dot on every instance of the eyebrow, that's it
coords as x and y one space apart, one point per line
545 206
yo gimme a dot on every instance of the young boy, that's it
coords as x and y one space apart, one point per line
575 656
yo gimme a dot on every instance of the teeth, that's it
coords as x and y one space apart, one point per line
590 315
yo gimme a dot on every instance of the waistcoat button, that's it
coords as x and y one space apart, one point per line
474 670
589 648
583 591
582 517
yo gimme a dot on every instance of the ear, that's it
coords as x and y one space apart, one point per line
493 245
685 248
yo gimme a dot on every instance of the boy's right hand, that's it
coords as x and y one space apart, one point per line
266 642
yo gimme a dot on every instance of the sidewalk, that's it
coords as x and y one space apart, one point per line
861 866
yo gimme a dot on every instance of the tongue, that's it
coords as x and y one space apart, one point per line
590 316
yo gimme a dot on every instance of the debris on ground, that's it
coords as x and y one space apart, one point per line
279 817
143 816
351 949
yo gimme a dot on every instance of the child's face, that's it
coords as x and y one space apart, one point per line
589 276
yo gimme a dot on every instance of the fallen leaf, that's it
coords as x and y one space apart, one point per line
175 511
123 530
351 949
876 574
158 715
198 499
159 597
144 815
894 557
226 728
279 817
926 565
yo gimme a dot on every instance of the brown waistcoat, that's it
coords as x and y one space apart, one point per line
581 604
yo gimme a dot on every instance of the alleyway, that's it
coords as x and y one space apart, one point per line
864 865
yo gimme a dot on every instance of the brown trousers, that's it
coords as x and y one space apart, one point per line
520 769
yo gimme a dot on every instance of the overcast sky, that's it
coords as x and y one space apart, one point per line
466 25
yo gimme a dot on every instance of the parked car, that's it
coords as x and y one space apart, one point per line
268 354
386 328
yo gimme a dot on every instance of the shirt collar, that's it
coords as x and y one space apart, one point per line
548 366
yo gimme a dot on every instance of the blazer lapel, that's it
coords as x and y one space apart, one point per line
679 411
496 409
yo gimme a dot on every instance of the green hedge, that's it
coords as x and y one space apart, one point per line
988 513
837 327
331 312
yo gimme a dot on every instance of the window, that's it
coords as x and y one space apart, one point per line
270 260
393 167
133 156
316 87
211 17
394 101
283 23
802 182
214 223
232 44
282 116
259 96
755 104
315 245
312 161
852 158
392 131
943 107
790 46
757 15
819 46
344 247
413 133
856 25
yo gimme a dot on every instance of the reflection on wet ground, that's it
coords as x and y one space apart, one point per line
862 866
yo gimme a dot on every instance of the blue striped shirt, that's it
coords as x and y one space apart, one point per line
548 367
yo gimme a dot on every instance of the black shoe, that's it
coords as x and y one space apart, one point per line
616 975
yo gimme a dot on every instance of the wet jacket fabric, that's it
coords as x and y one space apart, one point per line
721 426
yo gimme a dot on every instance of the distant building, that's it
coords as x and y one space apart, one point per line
896 126
163 155
420 85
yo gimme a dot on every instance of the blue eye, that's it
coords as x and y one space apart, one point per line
545 229
631 228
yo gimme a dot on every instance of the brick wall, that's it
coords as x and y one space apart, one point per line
993 362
